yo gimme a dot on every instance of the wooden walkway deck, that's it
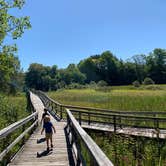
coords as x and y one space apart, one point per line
28 155
141 132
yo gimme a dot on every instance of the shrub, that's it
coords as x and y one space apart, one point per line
136 84
92 84
102 83
148 81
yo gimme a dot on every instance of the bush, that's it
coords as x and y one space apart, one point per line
148 81
136 84
92 84
102 83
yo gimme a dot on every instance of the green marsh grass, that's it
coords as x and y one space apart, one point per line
123 150
119 98
12 109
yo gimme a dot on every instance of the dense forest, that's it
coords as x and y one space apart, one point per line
105 67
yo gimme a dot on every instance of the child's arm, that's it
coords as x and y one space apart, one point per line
42 119
54 129
42 130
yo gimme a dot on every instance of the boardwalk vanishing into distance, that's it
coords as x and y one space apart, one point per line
68 142
28 155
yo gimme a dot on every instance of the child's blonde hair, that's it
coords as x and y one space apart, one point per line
47 118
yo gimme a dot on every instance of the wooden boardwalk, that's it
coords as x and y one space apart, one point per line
28 155
141 132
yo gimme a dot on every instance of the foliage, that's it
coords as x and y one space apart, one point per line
9 24
148 81
126 150
11 109
105 67
14 27
102 83
72 75
50 78
136 83
156 65
121 98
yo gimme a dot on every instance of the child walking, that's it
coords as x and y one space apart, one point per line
48 126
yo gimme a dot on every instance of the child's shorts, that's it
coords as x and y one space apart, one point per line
48 135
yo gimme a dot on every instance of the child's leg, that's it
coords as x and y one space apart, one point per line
51 140
47 140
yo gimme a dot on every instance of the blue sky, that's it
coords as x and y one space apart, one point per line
67 31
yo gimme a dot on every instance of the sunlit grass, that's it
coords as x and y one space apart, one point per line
12 109
119 98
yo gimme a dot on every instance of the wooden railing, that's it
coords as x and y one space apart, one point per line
60 108
117 119
152 120
77 137
4 133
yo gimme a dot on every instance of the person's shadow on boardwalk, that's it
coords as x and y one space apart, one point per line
41 140
44 153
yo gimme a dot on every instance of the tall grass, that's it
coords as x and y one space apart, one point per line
121 98
12 108
123 150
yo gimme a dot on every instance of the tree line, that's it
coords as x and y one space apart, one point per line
106 67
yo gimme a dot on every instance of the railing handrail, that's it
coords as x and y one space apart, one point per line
98 155
7 130
123 116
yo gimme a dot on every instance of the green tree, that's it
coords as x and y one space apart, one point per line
90 69
9 24
14 27
156 65
72 75
108 66
9 67
35 75
140 66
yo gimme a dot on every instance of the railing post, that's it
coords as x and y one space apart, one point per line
114 123
88 118
61 111
23 139
52 108
157 128
80 118
120 122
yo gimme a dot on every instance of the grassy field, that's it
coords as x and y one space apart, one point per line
123 98
12 109
123 150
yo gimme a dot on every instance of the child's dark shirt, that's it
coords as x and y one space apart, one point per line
48 127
